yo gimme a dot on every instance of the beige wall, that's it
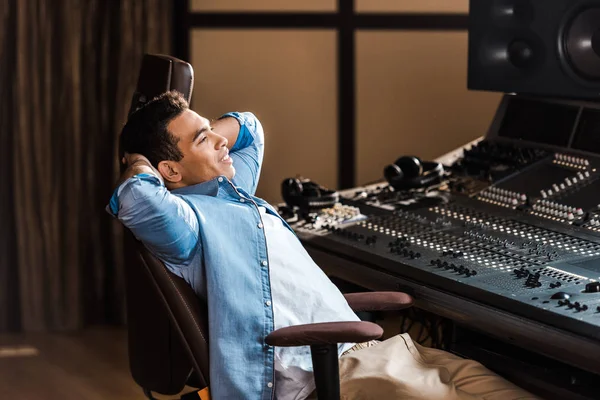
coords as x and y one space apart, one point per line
412 98
431 6
263 5
411 90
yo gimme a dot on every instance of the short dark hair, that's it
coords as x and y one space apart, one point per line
146 130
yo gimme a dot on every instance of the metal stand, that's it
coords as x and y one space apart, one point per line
326 371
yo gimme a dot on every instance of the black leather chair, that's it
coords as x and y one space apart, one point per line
167 323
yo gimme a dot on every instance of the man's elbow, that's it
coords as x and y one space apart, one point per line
257 128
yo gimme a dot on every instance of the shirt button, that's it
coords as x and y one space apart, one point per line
259 225
270 384
242 200
268 303
220 179
264 263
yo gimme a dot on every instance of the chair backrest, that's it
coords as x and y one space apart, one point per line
167 322
160 73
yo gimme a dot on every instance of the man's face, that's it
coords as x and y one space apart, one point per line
205 153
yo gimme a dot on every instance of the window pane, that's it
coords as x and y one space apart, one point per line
412 98
263 5
429 6
288 79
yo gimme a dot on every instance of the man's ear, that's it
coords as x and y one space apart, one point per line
169 171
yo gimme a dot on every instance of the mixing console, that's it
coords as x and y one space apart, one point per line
522 267
514 225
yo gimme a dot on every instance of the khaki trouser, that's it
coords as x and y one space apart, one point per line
400 369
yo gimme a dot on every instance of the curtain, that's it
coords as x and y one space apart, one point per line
68 69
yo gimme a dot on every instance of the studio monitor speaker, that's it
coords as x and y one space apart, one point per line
539 47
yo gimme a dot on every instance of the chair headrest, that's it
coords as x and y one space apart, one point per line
160 73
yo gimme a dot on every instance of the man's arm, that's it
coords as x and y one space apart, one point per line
248 149
228 127
137 164
165 223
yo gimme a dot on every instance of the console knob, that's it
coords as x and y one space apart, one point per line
592 287
560 295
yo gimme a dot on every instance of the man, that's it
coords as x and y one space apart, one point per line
188 195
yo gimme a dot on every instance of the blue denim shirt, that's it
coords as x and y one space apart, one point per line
210 235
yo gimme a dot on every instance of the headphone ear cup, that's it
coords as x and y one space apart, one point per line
307 195
291 187
393 173
432 172
311 190
411 166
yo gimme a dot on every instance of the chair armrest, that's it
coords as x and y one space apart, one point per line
378 301
324 333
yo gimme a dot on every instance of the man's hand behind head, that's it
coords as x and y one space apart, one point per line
133 158
137 164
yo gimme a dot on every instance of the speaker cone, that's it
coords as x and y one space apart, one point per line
582 43
512 53
521 53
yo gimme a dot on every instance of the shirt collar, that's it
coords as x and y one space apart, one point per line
208 188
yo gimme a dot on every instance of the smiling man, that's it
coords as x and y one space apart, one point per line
188 195
179 143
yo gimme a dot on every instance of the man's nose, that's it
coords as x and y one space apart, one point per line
221 142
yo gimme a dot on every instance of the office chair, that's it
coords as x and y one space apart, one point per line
167 322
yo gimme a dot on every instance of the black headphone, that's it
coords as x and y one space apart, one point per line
409 172
307 195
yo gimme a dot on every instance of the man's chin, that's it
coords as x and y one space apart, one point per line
230 173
